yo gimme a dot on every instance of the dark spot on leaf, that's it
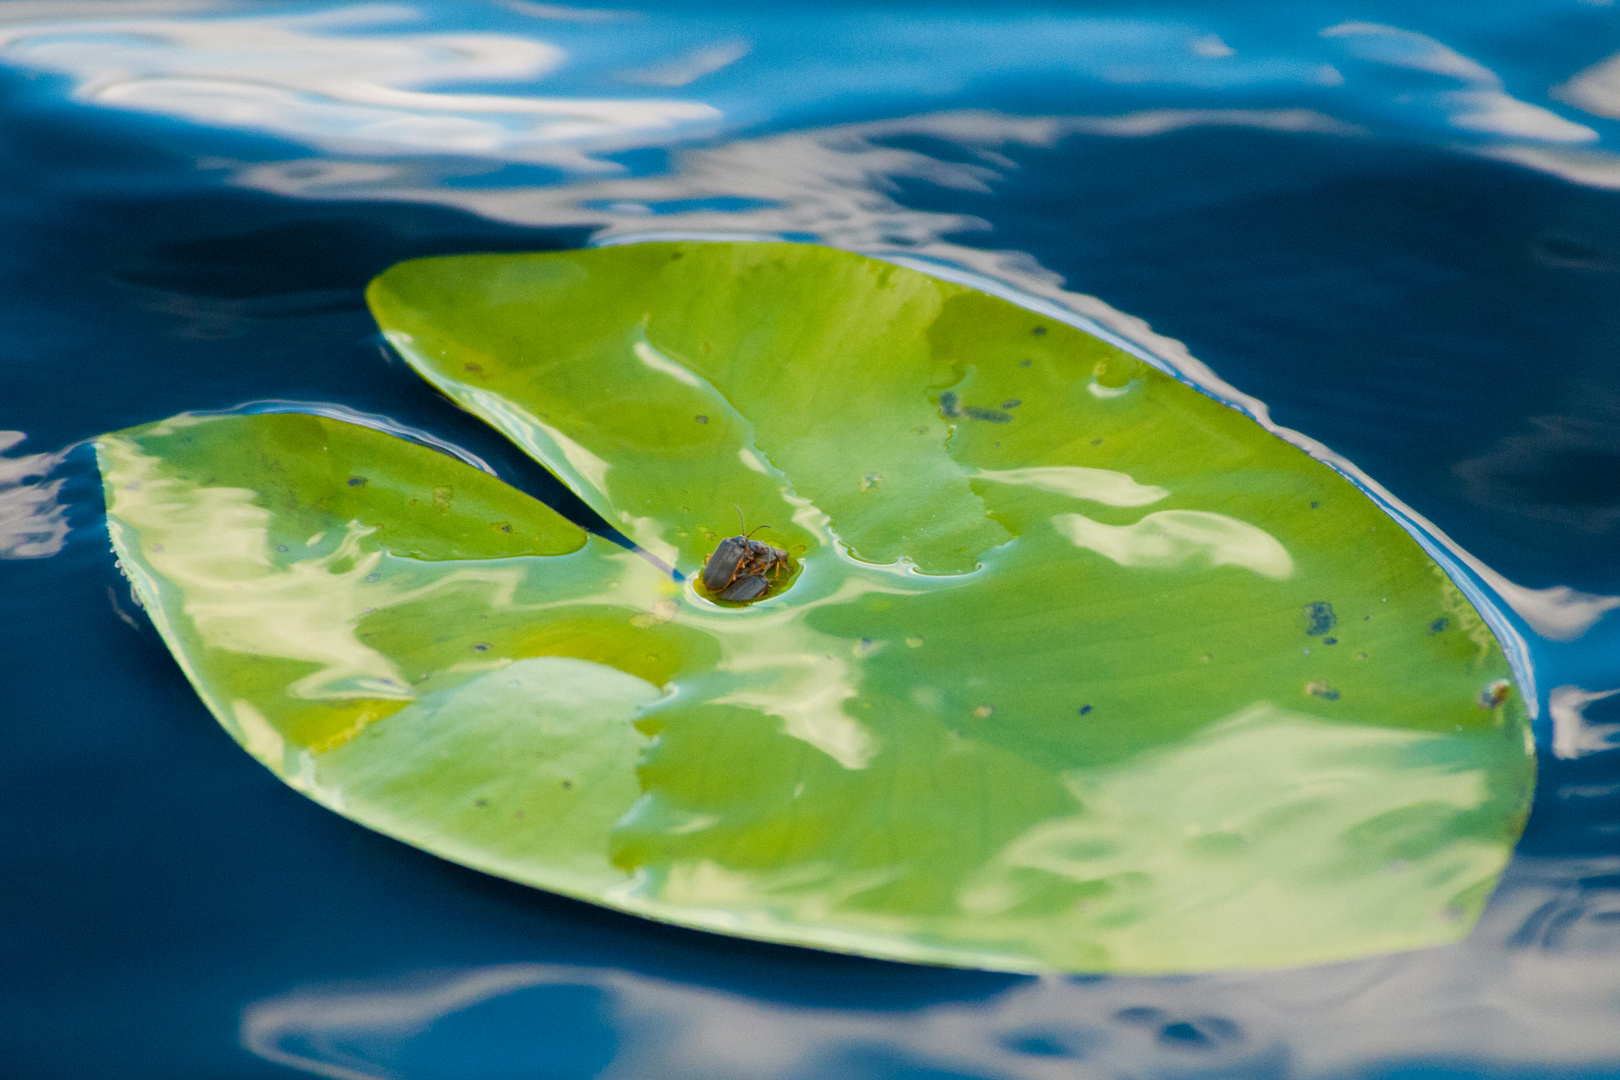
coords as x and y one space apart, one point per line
281 547
995 416
1315 504
568 783
357 481
481 647
1330 641
1039 331
474 367
1096 442
1012 403
501 526
1025 363
947 404
1319 618
480 802
701 419
1084 709
1439 624
1323 689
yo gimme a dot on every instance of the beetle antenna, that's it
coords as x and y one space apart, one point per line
744 523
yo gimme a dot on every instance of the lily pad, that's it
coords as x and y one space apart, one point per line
1078 670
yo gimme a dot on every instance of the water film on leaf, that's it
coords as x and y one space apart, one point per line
1076 669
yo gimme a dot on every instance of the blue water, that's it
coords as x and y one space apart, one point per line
1396 225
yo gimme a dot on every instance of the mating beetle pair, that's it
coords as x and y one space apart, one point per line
739 567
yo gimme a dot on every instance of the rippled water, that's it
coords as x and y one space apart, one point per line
1397 226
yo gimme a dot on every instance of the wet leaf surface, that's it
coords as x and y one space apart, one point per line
1076 668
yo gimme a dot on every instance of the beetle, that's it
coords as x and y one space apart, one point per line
739 566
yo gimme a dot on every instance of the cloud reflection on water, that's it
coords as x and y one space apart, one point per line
331 79
351 80
33 520
1549 1003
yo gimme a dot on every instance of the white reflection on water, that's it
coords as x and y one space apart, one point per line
1573 735
1595 89
33 521
1479 105
691 67
329 80
349 79
1534 985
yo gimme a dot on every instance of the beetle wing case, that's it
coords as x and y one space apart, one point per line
745 588
721 567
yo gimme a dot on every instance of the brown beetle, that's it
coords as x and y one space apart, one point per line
739 566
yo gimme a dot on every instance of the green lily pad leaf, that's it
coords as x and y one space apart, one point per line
399 635
1078 668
